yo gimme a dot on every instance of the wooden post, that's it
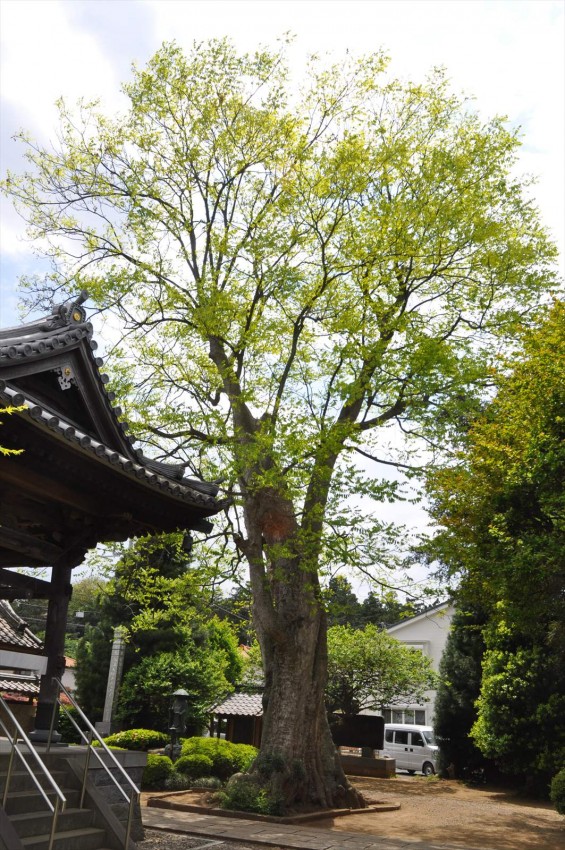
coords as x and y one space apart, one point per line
55 633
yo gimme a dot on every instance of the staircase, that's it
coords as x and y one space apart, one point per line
46 799
76 828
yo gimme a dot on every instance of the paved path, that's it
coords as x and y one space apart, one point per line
292 836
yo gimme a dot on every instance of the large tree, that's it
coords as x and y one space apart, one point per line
300 272
501 511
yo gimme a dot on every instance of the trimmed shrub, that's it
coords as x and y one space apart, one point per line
137 739
227 758
194 765
245 794
212 782
178 782
156 772
557 791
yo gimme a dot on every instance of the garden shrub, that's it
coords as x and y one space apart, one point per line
212 782
137 739
557 791
227 758
178 782
65 726
194 765
156 772
245 794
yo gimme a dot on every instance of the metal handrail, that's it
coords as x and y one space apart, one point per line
18 732
88 738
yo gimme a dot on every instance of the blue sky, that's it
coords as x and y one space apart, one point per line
508 53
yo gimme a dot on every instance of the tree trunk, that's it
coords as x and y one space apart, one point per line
295 725
298 765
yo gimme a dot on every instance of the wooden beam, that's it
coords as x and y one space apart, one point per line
28 587
49 488
27 544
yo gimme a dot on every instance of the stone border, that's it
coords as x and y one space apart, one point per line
165 802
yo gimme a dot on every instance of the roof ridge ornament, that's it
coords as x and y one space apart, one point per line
68 313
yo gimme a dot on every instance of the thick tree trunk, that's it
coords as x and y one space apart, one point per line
299 765
295 726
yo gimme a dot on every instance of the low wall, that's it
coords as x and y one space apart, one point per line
104 792
362 766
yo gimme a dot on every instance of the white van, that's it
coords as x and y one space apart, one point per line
413 747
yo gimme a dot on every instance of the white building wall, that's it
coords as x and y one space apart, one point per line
427 632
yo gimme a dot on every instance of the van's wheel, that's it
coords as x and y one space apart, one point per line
428 769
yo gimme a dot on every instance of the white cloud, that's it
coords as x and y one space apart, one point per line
44 56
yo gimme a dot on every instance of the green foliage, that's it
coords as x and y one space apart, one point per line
211 782
227 758
145 695
156 772
369 669
344 609
246 794
137 739
333 261
93 664
69 733
195 765
458 689
557 791
178 781
502 509
298 271
161 606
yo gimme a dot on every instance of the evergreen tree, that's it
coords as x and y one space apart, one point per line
458 689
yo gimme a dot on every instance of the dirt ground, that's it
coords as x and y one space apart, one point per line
451 813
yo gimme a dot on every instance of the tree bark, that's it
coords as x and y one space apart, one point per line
299 764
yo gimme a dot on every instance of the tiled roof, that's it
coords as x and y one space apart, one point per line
68 330
246 704
24 688
14 632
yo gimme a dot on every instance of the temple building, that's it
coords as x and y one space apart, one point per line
78 480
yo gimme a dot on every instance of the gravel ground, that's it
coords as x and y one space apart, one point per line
155 839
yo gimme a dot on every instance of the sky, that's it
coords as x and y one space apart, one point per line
509 54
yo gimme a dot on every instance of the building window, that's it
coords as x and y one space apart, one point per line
405 715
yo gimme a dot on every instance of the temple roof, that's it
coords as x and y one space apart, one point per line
77 456
248 705
15 633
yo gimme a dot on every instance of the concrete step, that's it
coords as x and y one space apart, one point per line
25 802
36 823
20 780
89 838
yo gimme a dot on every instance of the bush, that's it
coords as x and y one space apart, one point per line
178 782
245 794
137 739
156 772
212 782
195 765
557 791
227 758
65 726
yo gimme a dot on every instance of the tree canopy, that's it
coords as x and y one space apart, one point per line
369 669
299 272
502 516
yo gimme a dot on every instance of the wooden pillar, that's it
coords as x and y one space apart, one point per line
55 633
